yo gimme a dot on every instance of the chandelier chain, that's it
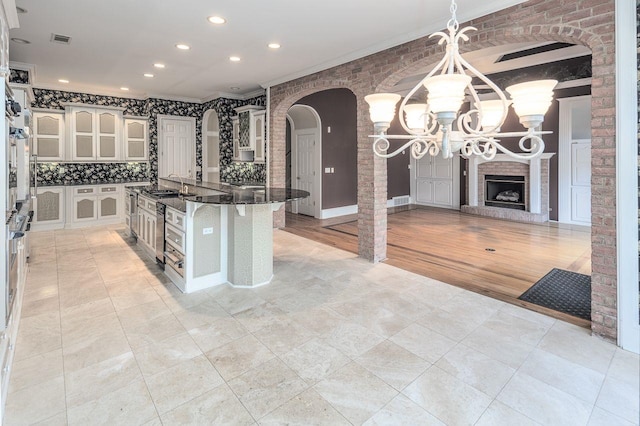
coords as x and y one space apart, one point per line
453 22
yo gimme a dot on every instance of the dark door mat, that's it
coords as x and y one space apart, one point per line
562 291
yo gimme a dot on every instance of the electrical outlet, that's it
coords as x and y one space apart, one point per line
327 169
332 170
207 231
328 129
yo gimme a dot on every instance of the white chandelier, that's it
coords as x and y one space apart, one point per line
430 125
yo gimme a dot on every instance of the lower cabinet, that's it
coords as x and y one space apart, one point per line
147 224
78 206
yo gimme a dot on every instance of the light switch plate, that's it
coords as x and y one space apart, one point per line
207 231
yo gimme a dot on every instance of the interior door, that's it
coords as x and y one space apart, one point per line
435 182
581 181
306 174
177 150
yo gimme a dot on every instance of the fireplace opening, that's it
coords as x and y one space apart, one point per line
504 191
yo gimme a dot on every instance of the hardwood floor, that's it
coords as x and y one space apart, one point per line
498 258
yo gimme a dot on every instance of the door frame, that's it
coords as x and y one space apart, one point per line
161 118
317 160
564 158
205 143
413 188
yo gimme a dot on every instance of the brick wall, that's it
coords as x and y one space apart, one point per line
585 22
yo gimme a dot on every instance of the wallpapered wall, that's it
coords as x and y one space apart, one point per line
229 171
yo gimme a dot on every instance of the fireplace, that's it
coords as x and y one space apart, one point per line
505 191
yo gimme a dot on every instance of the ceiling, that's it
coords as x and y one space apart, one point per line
114 42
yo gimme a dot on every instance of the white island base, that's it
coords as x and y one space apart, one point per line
225 244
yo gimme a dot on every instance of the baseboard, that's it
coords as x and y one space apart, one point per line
338 211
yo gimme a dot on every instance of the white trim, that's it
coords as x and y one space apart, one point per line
205 143
580 82
626 176
565 118
11 13
159 120
267 136
294 205
236 96
338 211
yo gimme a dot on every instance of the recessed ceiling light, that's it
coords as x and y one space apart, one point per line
183 46
234 58
20 40
216 20
124 88
158 65
21 9
148 75
274 46
62 80
234 88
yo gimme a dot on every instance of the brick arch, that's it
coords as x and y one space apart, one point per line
280 105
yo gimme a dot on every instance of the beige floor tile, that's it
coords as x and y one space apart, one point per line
600 417
267 387
93 348
402 411
131 292
493 344
476 369
260 316
236 300
77 329
157 357
283 336
79 295
516 328
433 293
307 408
200 315
447 398
352 339
355 392
500 414
239 356
40 306
181 383
44 291
567 376
454 325
218 333
37 369
625 366
423 342
376 318
153 331
128 405
543 403
393 364
99 379
29 344
138 316
577 345
621 398
35 403
321 321
86 311
59 419
315 360
218 406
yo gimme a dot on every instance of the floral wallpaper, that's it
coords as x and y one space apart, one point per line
19 76
58 174
151 108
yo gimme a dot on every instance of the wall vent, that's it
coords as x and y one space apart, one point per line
59 38
401 201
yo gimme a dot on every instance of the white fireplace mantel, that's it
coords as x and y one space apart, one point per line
535 184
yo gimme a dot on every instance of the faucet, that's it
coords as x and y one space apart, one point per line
183 188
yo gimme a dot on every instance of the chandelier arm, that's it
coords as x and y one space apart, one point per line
534 151
381 145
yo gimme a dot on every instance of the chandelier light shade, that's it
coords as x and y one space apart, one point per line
438 126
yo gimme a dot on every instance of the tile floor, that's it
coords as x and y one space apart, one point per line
106 339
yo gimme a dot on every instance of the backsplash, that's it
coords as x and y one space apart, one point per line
229 171
58 174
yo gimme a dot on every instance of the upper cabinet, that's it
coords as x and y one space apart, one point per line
48 136
135 139
95 133
249 134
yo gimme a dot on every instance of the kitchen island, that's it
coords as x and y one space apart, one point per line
220 233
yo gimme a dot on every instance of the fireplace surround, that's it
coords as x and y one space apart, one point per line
535 177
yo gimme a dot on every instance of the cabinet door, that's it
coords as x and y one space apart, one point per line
49 206
48 136
258 130
236 139
244 131
107 135
108 206
135 139
83 134
84 209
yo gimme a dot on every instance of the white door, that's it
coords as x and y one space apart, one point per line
304 180
574 160
177 147
581 182
436 182
211 148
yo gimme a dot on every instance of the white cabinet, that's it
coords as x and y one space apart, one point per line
49 207
95 133
434 182
147 224
48 136
249 134
98 204
135 140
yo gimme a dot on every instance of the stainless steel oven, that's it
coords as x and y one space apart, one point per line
160 211
133 213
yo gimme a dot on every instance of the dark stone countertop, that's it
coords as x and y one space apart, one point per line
252 196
